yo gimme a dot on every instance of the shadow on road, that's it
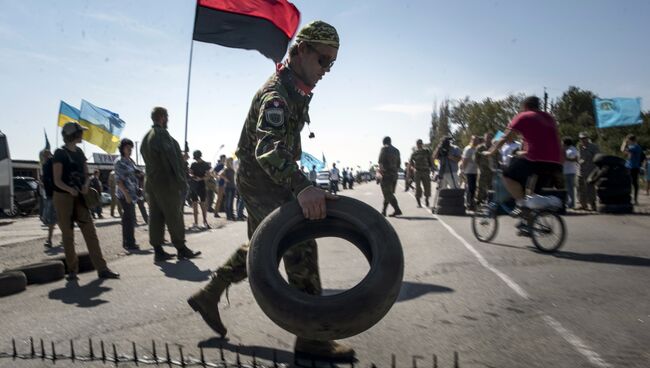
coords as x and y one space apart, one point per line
260 352
410 290
417 218
57 249
184 270
108 223
86 296
604 258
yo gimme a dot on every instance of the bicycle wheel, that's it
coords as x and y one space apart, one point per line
548 231
485 224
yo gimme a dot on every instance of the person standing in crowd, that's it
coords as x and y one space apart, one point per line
199 171
647 174
408 176
470 170
127 192
634 160
344 174
112 186
389 162
570 169
334 179
269 177
448 155
313 175
47 180
586 153
350 178
71 181
221 184
165 183
228 175
141 199
422 161
211 191
96 184
486 167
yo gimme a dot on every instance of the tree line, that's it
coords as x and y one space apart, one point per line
573 110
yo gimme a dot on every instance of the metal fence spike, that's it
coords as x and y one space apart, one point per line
455 359
180 351
42 350
101 344
202 356
221 353
13 348
153 350
135 353
169 360
435 361
72 356
53 353
32 352
115 360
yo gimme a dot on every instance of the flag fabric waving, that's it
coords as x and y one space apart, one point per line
263 25
47 141
67 113
613 112
104 126
310 161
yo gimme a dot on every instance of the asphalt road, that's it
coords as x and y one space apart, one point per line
497 305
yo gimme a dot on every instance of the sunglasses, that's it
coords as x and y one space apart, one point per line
324 61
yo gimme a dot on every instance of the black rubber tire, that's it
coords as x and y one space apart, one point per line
616 208
42 272
536 234
85 263
12 282
485 214
451 202
608 160
450 211
334 316
451 193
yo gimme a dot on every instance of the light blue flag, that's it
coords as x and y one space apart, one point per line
105 119
309 161
613 112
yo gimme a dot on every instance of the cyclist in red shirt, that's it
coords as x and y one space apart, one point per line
541 154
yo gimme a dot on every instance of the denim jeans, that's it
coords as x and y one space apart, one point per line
569 185
128 223
230 199
240 207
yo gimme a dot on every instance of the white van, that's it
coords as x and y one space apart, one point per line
6 177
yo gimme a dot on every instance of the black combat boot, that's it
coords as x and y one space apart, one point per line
325 350
206 302
419 204
160 255
426 201
187 253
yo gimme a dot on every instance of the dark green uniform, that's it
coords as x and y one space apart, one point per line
389 162
268 175
486 166
164 185
422 161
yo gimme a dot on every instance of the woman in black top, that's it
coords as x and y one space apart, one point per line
71 181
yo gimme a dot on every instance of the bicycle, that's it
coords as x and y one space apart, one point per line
545 226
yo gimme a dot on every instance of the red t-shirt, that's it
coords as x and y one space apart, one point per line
541 136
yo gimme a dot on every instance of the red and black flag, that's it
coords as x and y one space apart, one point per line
263 25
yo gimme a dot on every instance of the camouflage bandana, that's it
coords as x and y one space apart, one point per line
319 32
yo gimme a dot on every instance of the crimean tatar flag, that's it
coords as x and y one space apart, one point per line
104 126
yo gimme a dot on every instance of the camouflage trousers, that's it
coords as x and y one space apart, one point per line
261 197
422 180
388 184
484 184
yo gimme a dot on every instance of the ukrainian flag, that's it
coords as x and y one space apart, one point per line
104 126
67 113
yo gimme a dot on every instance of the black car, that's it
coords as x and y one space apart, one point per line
26 196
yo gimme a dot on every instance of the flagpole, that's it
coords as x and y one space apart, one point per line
189 74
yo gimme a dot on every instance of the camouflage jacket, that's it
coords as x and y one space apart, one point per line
163 159
586 156
421 159
389 161
486 164
270 145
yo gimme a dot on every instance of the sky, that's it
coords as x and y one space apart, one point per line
396 59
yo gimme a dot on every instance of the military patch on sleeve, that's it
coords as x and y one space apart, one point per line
274 112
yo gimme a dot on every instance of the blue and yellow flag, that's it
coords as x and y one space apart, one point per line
104 126
67 113
613 112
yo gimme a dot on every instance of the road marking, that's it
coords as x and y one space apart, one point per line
567 335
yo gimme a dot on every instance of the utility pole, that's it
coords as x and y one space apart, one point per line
545 100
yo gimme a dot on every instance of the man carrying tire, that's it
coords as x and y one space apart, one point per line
541 155
269 177
422 160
